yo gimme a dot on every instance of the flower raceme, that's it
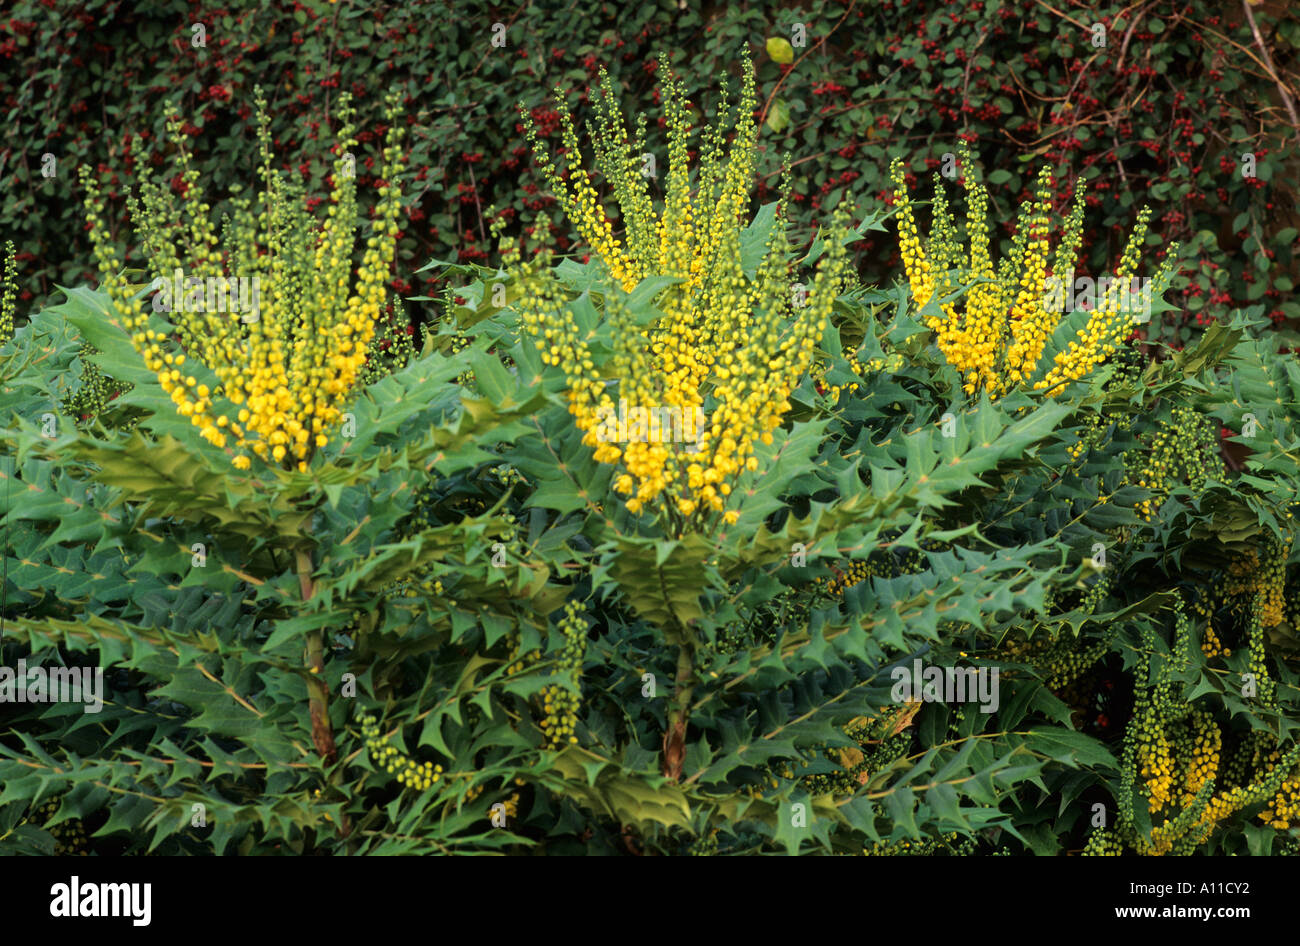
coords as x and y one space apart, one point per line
722 345
280 375
996 335
8 293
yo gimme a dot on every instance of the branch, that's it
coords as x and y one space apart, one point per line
1268 64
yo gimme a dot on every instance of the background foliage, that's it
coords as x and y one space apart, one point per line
1161 115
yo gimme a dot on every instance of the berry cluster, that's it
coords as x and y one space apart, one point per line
1097 432
520 659
1251 574
561 701
706 845
1283 811
411 774
881 740
391 349
891 563
1211 646
1183 451
951 844
1062 659
70 839
1157 708
508 476
1257 667
424 512
1103 843
94 390
429 590
889 364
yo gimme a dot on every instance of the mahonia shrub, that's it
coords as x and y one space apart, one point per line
996 335
1206 760
451 634
544 705
1187 749
271 383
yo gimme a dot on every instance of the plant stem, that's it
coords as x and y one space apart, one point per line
322 734
679 712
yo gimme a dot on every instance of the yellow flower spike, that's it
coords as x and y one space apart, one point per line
996 337
290 345
909 240
682 401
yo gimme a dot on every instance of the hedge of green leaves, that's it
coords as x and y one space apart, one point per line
1163 113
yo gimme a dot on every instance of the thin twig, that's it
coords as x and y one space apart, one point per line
1268 64
821 42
